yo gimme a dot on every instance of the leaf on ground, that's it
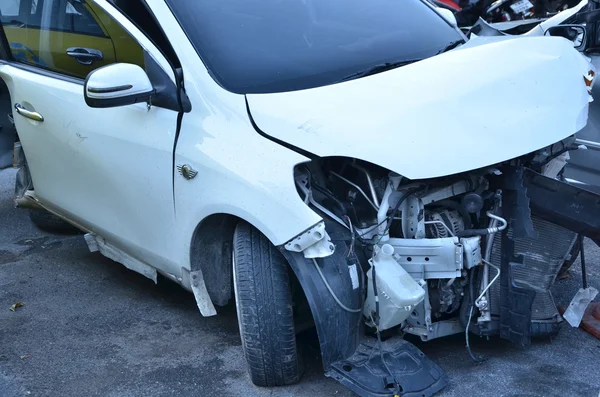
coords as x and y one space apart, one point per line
16 306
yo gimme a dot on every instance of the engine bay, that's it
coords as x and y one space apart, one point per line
430 252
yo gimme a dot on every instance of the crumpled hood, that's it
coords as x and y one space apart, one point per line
465 109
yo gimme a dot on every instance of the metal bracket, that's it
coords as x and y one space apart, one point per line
315 242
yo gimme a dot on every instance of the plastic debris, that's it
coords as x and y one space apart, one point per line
579 303
16 306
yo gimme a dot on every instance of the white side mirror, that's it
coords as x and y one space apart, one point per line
119 84
447 15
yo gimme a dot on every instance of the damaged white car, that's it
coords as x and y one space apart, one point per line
362 167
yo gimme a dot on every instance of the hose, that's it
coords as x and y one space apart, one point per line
471 306
397 391
484 232
330 196
563 150
354 185
333 295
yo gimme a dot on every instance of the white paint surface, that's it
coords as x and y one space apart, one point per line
469 108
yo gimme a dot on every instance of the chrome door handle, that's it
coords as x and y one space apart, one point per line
28 113
85 56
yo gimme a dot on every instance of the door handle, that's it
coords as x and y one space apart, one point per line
28 113
85 56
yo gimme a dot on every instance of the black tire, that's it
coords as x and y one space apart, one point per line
49 222
264 306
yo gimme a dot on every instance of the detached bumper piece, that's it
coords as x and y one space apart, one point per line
399 368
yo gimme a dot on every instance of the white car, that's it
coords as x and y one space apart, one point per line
362 167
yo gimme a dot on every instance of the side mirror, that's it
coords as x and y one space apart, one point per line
119 84
574 33
447 15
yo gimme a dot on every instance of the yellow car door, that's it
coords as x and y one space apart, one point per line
78 47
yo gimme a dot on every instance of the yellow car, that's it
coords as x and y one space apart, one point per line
92 39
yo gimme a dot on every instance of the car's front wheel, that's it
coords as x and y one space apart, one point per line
264 307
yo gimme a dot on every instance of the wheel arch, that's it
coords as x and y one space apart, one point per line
338 330
211 252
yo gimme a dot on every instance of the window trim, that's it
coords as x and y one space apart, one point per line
175 63
138 34
102 36
41 71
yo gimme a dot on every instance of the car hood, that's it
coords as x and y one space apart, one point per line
465 109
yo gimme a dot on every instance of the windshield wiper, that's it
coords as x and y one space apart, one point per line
376 69
451 46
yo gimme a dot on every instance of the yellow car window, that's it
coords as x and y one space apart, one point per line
71 37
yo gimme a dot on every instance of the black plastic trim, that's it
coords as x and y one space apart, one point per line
166 95
563 204
339 331
398 369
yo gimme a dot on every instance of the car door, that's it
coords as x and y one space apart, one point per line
109 170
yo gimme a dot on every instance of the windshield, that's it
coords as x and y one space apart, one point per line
265 46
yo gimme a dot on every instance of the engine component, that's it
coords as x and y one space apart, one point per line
358 188
420 323
429 258
445 296
382 228
472 250
413 225
436 194
397 292
370 181
444 223
472 202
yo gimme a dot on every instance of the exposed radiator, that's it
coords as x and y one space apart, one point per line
544 257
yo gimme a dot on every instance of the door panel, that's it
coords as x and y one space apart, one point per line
8 134
109 170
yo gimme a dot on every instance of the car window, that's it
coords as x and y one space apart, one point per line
265 46
71 37
142 16
70 16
